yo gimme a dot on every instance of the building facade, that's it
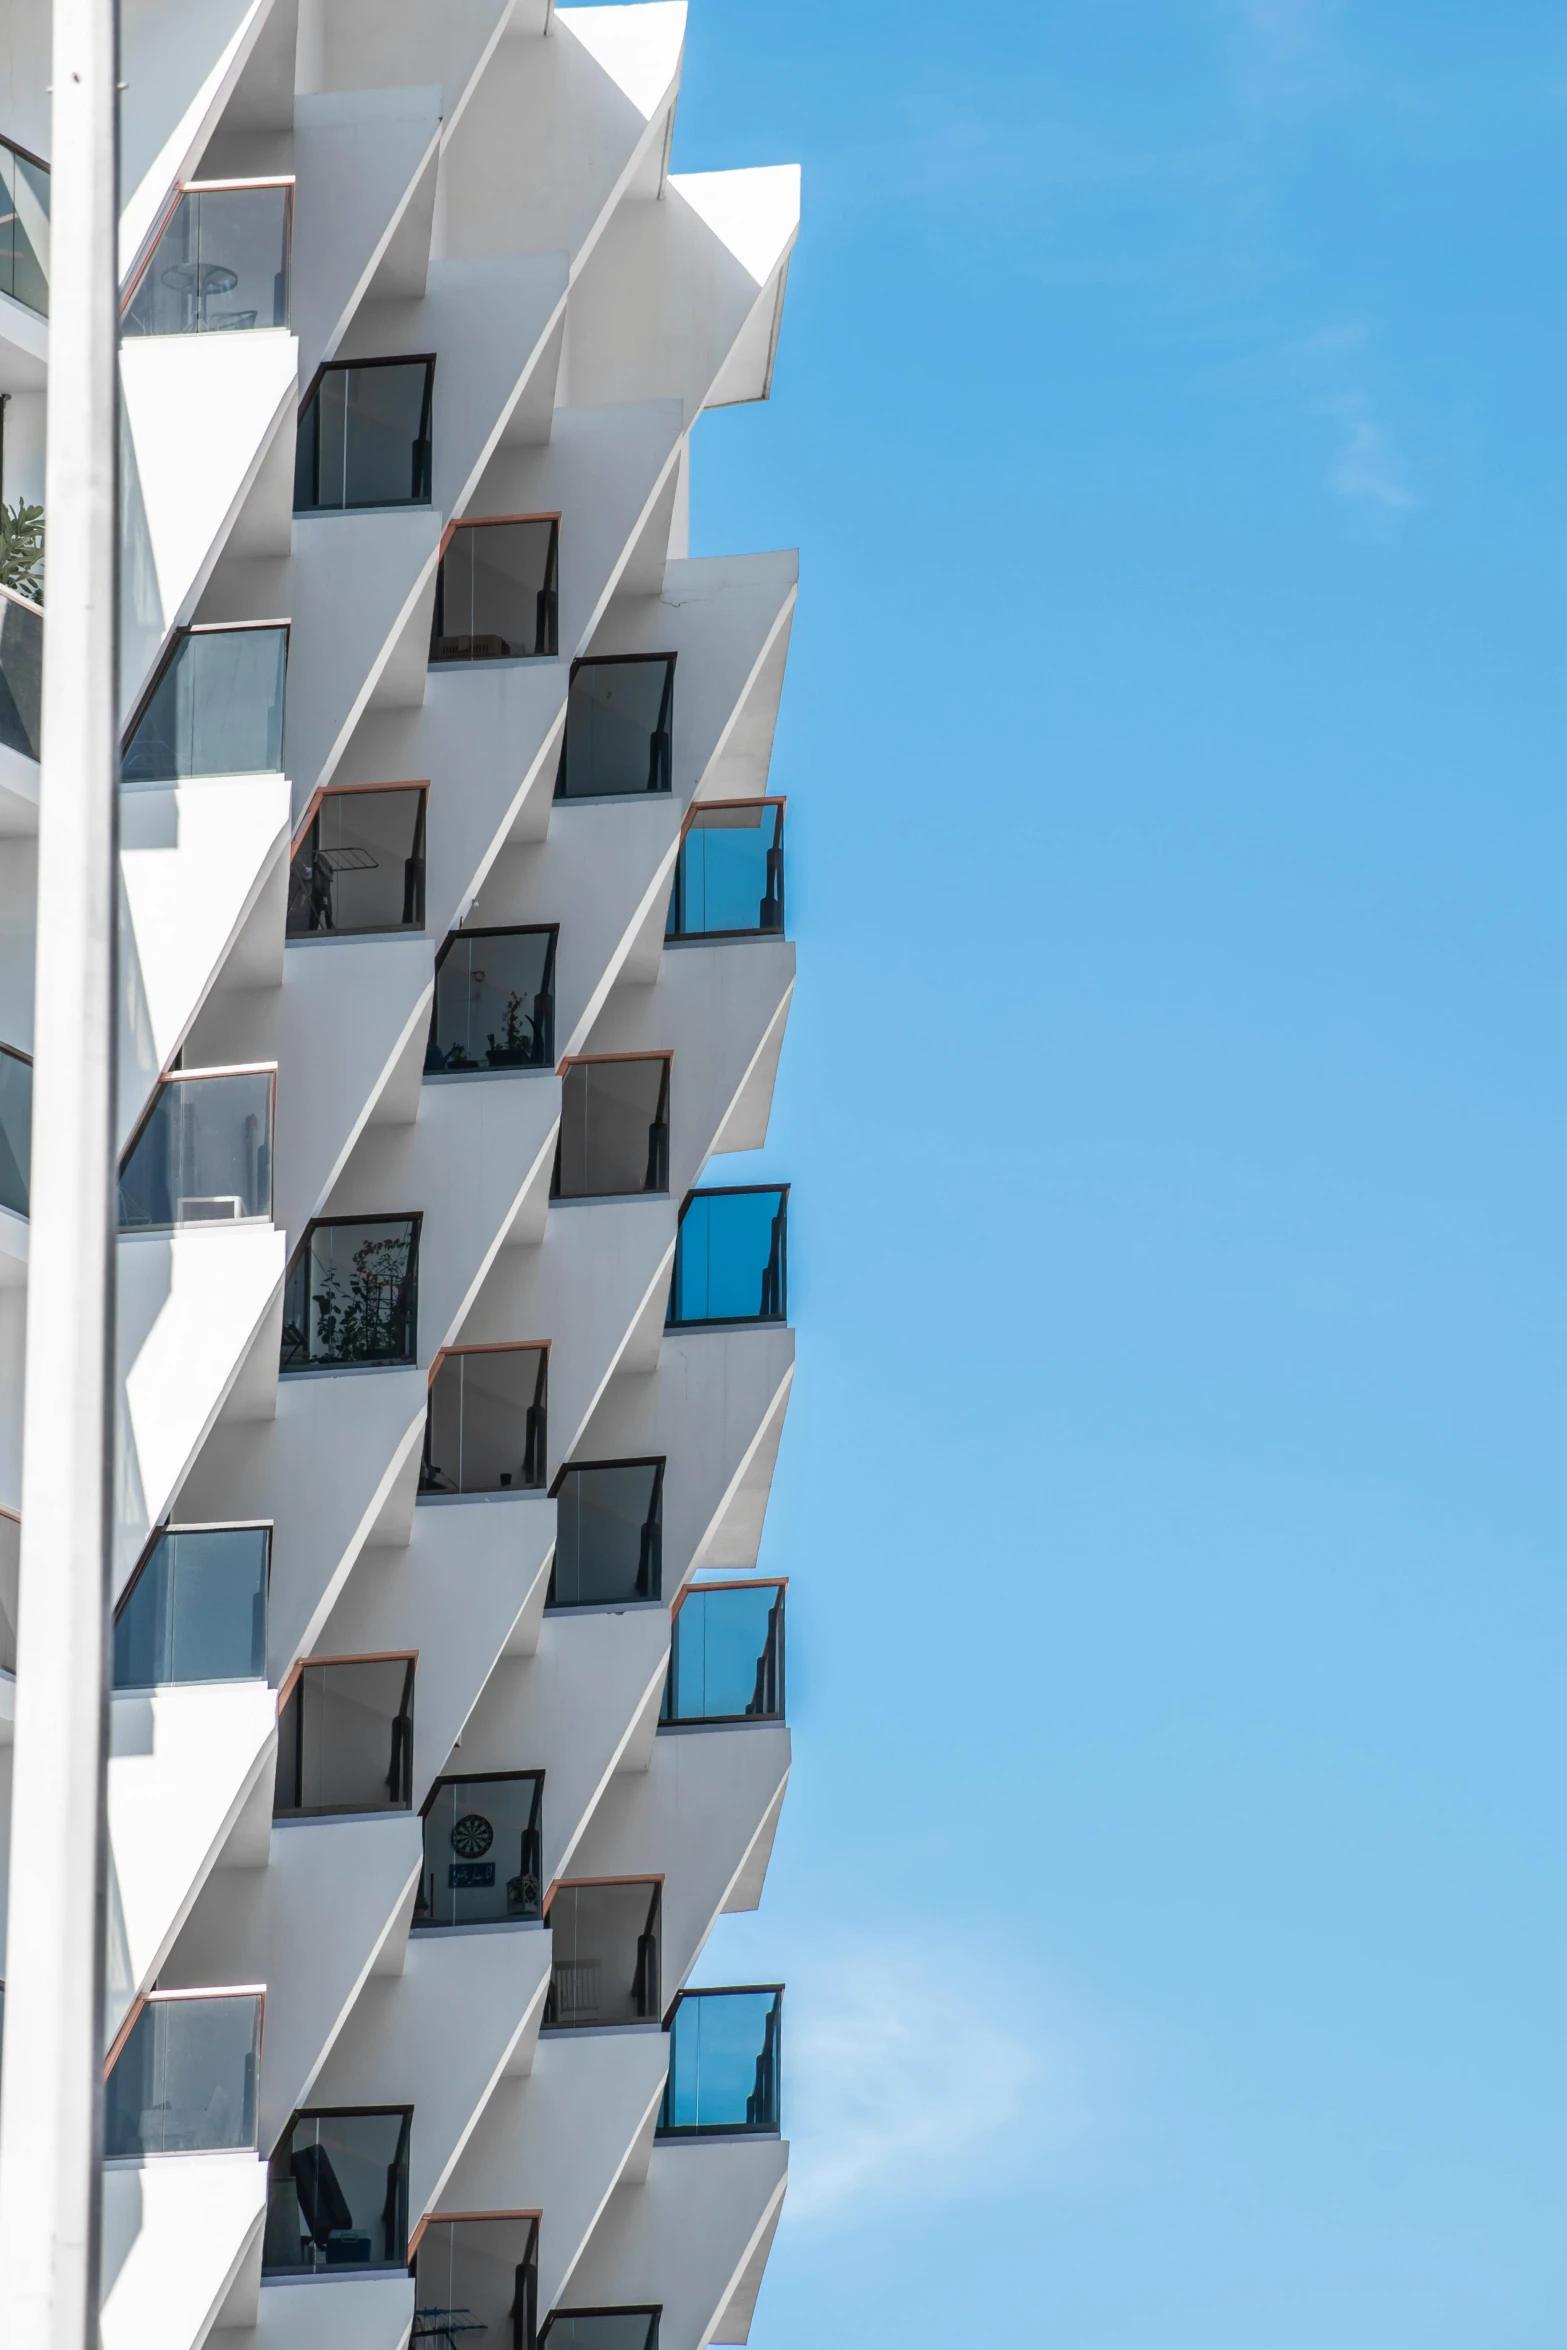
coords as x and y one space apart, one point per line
448 1712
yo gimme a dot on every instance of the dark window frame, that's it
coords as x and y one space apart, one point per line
778 1321
724 2129
425 439
666 714
551 586
415 1217
325 2113
778 1583
501 1346
404 1751
658 1461
479 1779
420 856
690 824
502 930
659 1122
649 2309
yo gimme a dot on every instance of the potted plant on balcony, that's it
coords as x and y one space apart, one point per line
518 1047
22 550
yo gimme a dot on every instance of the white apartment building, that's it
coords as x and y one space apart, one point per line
448 1712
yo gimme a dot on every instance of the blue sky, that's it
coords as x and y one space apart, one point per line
1170 414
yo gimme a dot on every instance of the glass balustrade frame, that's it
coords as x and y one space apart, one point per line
525 2324
15 1179
397 2262
646 1994
693 1591
665 729
173 652
306 1361
422 446
401 1725
548 594
530 1910
535 1445
511 1054
123 1604
672 1321
184 1077
651 2310
21 673
255 1995
668 2131
676 932
415 866
657 1167
34 164
653 1523
165 221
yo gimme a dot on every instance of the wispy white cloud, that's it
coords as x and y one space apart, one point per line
1366 469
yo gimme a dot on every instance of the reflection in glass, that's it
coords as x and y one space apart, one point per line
483 1851
217 708
185 2080
220 265
619 722
724 2056
496 596
494 1002
197 1610
614 1128
364 436
346 1737
604 1968
204 1155
726 1654
21 673
16 1128
602 2329
729 873
608 1534
485 1428
731 1256
474 2276
352 1293
337 2193
24 228
360 864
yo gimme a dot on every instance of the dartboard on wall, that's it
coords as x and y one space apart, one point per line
472 1836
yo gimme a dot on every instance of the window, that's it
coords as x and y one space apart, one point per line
602 2329
494 1002
729 872
203 1154
605 1964
352 1293
496 595
483 1851
726 1658
215 708
478 2276
16 1128
346 1736
184 2081
725 2050
619 727
731 1256
359 864
196 1610
485 1430
220 263
614 1128
608 1534
364 436
24 227
337 2192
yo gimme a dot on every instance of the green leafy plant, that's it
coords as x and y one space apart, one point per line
371 1323
22 549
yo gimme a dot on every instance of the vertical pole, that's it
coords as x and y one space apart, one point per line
51 2081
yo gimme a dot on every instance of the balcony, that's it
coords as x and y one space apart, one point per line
483 1851
601 2329
724 2057
605 1967
358 866
345 1739
731 1256
184 2081
215 707
614 1128
364 436
16 1128
497 595
203 1154
494 1003
474 2276
197 1609
486 1426
609 1533
619 728
21 673
220 264
24 227
729 873
352 1294
337 2193
726 1657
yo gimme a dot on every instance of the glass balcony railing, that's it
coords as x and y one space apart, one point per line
337 2193
16 1128
204 1152
359 865
24 227
726 1656
197 1609
496 591
486 1426
474 2276
352 1294
609 1534
604 1968
10 1587
614 1128
602 2329
731 1256
184 2081
220 264
729 872
345 1740
364 436
494 1002
619 727
483 1851
21 673
724 2057
216 707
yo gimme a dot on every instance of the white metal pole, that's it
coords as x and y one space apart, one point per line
51 2079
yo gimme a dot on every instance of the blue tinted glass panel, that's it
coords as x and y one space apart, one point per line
204 1155
217 709
730 873
730 1260
220 266
726 1657
185 2080
724 2062
197 1611
16 1130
